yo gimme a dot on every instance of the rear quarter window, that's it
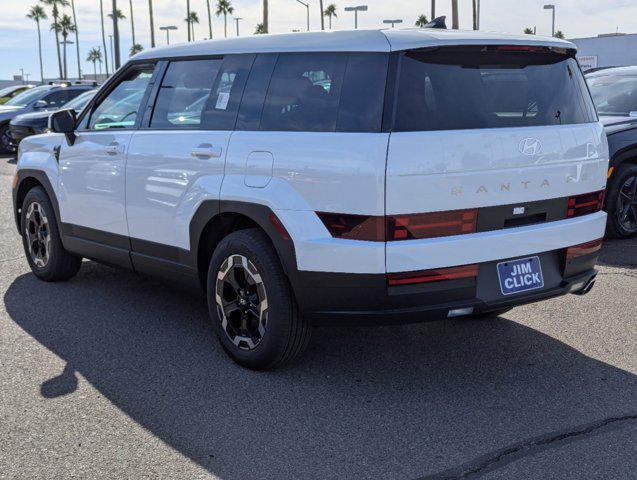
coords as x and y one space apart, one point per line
469 88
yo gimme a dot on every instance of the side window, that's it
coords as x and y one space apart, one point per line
304 92
255 92
120 108
220 111
58 98
361 105
184 92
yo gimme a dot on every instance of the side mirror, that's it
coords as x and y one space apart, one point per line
40 104
63 121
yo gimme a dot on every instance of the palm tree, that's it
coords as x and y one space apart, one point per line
104 37
259 29
224 7
209 19
560 34
191 20
454 15
37 13
55 13
152 24
132 22
77 42
475 14
265 26
116 15
135 49
322 15
94 55
529 31
119 13
421 21
66 26
330 12
187 18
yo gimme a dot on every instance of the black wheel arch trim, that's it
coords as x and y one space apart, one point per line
41 177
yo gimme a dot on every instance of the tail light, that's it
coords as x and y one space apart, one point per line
430 225
583 249
400 227
520 48
584 204
434 275
354 227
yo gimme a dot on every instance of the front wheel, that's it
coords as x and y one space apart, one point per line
6 141
251 303
48 259
622 203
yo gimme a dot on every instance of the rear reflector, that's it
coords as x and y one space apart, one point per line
431 225
274 220
584 204
583 249
434 275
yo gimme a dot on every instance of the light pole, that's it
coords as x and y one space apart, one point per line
359 8
478 17
237 20
551 7
398 20
307 6
168 28
111 41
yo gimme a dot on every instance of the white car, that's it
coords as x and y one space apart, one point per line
350 177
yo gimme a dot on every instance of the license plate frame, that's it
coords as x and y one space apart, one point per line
516 280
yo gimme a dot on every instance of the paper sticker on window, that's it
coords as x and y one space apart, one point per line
222 101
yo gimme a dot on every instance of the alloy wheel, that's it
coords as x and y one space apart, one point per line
38 235
242 303
627 205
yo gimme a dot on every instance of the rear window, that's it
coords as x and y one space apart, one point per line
488 87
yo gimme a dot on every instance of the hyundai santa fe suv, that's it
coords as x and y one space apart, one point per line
352 177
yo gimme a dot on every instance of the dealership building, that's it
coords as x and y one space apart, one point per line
607 50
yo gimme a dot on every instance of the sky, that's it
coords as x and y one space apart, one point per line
19 44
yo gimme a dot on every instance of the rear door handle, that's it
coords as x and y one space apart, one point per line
205 150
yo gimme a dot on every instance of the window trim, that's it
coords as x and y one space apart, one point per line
85 118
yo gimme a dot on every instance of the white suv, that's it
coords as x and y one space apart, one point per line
337 177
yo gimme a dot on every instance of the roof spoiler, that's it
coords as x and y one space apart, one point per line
438 22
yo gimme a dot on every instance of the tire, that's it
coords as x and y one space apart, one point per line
489 315
48 259
622 223
6 145
251 304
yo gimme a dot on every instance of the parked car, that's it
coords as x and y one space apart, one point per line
7 93
44 98
348 177
35 123
614 92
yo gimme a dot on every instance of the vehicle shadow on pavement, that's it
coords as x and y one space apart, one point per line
385 402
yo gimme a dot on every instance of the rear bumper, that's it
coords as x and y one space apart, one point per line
351 299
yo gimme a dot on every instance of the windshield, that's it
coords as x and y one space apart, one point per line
27 97
614 94
9 90
490 87
80 102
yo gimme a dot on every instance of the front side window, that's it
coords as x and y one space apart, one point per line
304 92
490 87
614 94
121 107
61 97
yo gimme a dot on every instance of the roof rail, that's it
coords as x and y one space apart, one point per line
438 22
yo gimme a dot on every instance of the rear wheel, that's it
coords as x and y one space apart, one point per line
622 203
251 303
48 259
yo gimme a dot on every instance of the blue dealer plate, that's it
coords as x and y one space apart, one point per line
520 275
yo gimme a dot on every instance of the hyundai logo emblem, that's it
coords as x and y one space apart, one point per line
530 146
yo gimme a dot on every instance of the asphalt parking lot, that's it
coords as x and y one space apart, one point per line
113 376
